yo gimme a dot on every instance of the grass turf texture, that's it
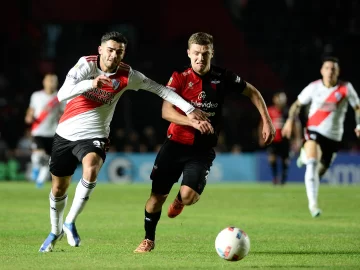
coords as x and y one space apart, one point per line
283 234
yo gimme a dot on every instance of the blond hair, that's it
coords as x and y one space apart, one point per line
201 38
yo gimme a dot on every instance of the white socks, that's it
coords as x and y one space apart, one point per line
312 182
82 194
57 206
44 175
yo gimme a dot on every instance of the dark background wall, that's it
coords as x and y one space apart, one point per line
275 45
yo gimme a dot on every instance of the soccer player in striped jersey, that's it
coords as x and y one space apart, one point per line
328 99
43 115
92 89
189 150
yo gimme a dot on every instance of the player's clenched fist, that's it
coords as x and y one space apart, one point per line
100 81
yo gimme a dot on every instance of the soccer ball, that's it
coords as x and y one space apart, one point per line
232 244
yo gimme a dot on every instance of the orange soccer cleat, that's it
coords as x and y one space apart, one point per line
175 208
145 246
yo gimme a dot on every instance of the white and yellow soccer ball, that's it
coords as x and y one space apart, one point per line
232 244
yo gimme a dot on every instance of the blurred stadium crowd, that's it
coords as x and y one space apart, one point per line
277 45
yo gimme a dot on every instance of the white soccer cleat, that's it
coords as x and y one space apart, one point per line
50 241
72 235
301 160
315 211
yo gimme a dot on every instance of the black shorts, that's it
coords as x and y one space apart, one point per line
175 159
281 149
328 147
39 142
66 155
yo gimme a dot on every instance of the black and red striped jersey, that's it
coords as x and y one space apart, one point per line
207 93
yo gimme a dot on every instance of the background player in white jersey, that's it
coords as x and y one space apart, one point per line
92 89
43 115
328 99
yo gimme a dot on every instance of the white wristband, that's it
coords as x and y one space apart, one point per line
358 127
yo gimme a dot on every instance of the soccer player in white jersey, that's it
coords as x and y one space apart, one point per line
43 115
328 99
92 89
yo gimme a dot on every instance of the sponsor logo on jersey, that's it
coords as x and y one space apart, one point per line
115 84
207 105
99 95
215 81
202 95
338 96
190 84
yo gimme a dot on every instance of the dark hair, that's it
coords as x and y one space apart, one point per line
330 59
115 36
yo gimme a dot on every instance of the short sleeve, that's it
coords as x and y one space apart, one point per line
32 101
174 83
352 96
234 82
305 95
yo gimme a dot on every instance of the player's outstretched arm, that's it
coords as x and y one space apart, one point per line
170 114
357 119
268 131
294 111
29 116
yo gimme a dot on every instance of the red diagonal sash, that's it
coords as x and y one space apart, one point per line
51 104
335 97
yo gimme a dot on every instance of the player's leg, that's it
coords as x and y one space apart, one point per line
62 166
152 214
36 154
272 160
195 175
44 175
285 160
165 173
312 182
92 155
327 158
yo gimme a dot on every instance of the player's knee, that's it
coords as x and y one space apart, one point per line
189 196
156 201
90 172
59 190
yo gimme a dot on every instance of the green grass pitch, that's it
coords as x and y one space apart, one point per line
283 234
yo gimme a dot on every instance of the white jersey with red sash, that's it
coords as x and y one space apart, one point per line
89 111
46 113
328 107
